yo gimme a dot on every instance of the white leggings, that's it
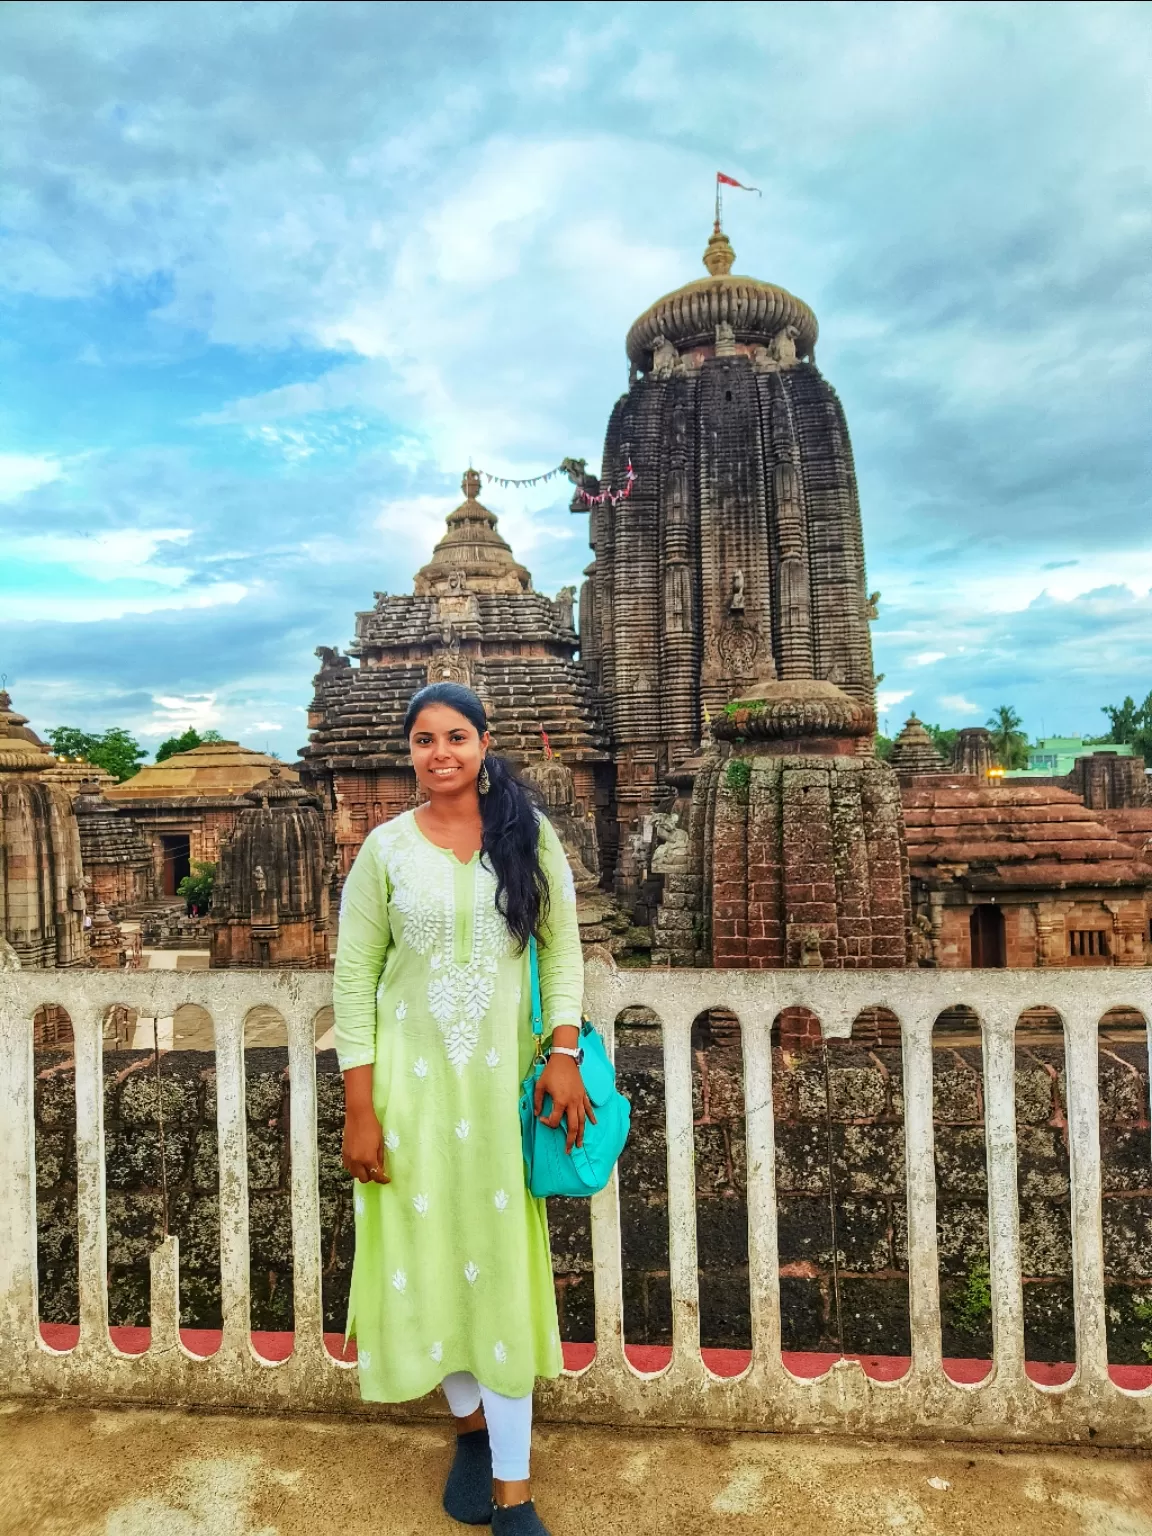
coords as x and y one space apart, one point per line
509 1422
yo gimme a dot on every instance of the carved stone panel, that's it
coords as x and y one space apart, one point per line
738 645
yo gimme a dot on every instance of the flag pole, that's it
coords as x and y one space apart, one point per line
719 206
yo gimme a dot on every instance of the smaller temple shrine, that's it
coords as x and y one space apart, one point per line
181 808
41 877
116 854
914 751
795 850
270 901
1013 874
472 618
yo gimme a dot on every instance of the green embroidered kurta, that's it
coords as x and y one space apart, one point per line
452 1269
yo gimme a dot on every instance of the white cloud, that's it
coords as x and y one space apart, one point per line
73 609
417 519
888 699
926 658
264 725
24 472
958 704
117 555
174 713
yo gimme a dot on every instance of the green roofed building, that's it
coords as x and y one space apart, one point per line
1055 756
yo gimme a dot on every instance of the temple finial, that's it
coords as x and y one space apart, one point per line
719 255
470 484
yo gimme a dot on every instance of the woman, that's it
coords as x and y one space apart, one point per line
452 1281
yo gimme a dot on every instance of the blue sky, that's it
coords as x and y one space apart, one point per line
271 274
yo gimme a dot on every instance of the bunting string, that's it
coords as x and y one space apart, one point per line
590 499
506 480
613 497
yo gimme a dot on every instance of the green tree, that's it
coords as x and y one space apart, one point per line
116 751
196 888
1131 725
184 743
943 739
883 746
1009 742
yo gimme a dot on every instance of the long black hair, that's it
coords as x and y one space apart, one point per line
510 841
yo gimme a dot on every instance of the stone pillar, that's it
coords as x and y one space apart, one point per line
973 751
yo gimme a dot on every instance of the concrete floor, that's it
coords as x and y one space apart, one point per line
128 1472
131 1472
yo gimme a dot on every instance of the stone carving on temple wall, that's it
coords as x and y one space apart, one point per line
763 361
447 664
457 580
565 601
666 361
736 598
1050 938
678 498
923 940
725 340
873 606
678 598
810 956
738 645
670 856
783 346
9 959
330 657
794 600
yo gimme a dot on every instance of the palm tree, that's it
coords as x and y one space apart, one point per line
1009 742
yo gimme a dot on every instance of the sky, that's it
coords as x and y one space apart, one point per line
272 275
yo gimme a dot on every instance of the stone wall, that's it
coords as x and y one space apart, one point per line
839 1166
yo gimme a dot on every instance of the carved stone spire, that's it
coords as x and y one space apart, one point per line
471 557
914 751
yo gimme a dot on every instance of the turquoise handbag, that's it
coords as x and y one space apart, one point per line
549 1168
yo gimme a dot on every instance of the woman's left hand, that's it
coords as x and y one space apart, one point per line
561 1079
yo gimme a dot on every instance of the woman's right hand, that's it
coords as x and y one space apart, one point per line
362 1152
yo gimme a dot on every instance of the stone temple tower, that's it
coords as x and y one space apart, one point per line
738 555
729 586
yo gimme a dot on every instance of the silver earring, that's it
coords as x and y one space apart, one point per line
483 782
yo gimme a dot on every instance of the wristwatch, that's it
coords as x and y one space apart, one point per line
576 1052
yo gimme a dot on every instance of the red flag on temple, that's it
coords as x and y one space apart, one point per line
547 744
730 181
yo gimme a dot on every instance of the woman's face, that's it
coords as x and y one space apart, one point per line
447 751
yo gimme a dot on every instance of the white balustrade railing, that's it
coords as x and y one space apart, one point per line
924 1402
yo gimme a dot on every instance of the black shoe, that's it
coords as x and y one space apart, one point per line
517 1520
468 1491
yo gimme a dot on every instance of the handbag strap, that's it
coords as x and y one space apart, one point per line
537 1009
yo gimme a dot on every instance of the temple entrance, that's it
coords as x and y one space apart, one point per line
177 861
986 926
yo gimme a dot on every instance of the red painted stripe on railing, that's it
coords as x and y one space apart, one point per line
644 1357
